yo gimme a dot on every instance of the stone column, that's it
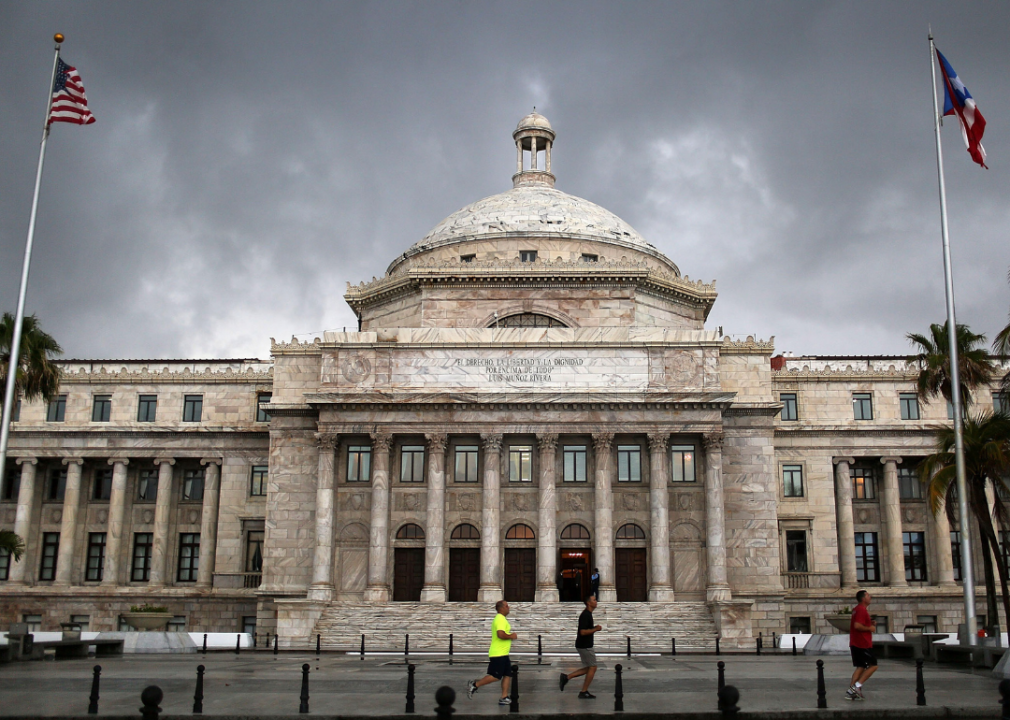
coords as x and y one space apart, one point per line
434 531
490 548
378 533
890 510
208 522
715 520
519 156
846 527
603 502
23 519
661 589
114 530
944 572
162 513
68 529
322 564
547 544
533 153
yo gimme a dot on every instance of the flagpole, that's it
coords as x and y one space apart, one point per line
8 407
967 572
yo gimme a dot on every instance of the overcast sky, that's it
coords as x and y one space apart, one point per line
249 159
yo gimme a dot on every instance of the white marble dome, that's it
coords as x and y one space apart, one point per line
534 120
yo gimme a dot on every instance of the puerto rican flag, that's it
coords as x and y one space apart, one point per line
958 101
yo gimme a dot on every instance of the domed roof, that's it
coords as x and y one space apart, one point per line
534 120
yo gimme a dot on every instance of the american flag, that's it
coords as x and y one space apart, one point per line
69 103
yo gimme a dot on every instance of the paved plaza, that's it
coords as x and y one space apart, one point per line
260 684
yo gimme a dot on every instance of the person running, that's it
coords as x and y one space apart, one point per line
499 667
584 644
861 646
595 580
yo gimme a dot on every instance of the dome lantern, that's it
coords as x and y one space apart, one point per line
532 134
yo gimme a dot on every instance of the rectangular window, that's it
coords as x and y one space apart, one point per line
629 463
799 625
796 550
928 623
5 563
468 258
101 410
192 408
176 624
359 463
788 401
915 555
528 255
143 544
189 557
96 557
192 485
16 415
147 485
57 410
864 483
950 410
80 622
589 257
521 463
466 463
147 408
792 480
57 484
1004 545
909 406
575 463
867 567
249 624
883 624
1001 402
683 463
261 400
34 622
412 464
254 551
102 487
862 406
12 484
50 548
955 553
258 480
909 487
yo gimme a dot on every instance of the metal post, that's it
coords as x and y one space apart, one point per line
303 706
920 686
205 644
406 646
540 649
445 696
673 647
317 645
15 349
151 696
275 645
1004 692
967 572
717 647
362 646
93 700
618 690
450 644
254 639
721 682
514 705
410 689
198 695
794 644
758 646
729 696
629 647
238 642
822 696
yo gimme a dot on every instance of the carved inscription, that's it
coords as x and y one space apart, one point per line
519 370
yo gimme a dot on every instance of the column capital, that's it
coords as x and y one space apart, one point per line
491 441
164 461
846 460
712 441
436 442
603 441
890 459
73 461
212 461
26 461
119 461
658 440
381 441
326 441
548 442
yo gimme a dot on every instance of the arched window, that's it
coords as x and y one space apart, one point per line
520 532
528 320
575 532
410 531
465 532
630 532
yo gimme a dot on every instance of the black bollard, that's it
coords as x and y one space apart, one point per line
275 643
317 645
721 682
238 643
151 696
362 646
540 649
450 644
629 647
920 686
758 646
445 696
729 696
406 646
822 695
205 643
198 695
93 700
303 706
410 689
717 647
254 640
514 706
673 647
1004 691
618 690
794 644
774 642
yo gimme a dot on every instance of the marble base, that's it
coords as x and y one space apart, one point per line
152 642
718 593
377 594
490 594
548 595
661 594
321 592
433 594
608 593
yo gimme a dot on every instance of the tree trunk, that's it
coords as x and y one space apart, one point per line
989 533
992 607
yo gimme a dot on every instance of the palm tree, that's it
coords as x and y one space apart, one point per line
38 376
975 365
12 544
987 463
1001 348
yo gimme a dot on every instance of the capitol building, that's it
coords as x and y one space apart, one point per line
531 393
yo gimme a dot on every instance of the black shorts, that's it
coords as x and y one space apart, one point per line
499 667
862 657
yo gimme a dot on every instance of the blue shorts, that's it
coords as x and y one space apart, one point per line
499 667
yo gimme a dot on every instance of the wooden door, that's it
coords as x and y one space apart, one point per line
464 574
520 574
575 584
408 574
632 578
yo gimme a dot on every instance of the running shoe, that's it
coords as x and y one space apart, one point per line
563 681
851 693
586 695
504 701
859 692
471 688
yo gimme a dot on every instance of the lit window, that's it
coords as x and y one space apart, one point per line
683 463
465 532
575 463
864 483
629 463
520 532
521 463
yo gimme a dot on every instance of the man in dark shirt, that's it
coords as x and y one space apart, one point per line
584 644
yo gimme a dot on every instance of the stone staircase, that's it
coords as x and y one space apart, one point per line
650 626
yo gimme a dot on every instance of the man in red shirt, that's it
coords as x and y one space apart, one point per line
861 646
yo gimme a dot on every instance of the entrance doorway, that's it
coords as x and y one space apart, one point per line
575 569
408 574
520 574
464 574
632 581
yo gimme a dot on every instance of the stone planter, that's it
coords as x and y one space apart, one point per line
839 622
147 620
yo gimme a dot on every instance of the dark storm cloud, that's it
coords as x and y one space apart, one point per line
250 159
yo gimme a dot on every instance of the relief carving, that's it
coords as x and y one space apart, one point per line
356 501
11 516
682 370
467 502
103 516
194 516
148 516
863 516
630 501
356 368
409 501
56 516
684 501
